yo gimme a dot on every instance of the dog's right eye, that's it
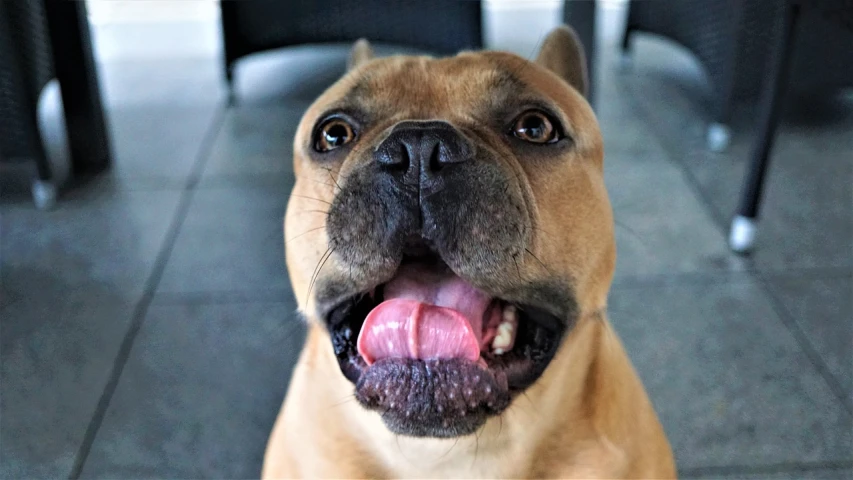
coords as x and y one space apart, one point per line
332 134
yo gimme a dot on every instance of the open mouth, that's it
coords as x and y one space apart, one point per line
436 355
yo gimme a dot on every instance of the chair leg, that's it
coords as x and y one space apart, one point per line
626 61
718 137
229 84
44 190
743 229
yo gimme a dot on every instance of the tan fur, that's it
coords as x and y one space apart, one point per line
360 54
588 416
563 54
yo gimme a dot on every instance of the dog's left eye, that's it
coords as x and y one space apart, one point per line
535 127
333 134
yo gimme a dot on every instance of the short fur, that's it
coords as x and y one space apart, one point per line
588 415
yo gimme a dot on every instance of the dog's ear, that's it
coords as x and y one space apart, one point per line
562 53
361 53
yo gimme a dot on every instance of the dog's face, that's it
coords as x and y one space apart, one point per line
448 226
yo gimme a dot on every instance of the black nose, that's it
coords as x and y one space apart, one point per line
419 151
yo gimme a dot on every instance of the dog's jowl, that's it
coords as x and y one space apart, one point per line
451 248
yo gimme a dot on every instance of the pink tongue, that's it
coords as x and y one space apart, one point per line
425 316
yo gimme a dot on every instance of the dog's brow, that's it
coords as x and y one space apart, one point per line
506 81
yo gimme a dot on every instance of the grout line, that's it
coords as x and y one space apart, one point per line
740 470
785 317
806 346
809 273
141 309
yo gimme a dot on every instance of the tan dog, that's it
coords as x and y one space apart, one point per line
450 242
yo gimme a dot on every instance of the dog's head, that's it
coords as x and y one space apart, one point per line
449 225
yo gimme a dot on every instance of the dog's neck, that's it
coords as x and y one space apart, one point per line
558 408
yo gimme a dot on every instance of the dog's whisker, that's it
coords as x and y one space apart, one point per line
456 441
317 270
537 259
329 170
311 211
305 233
311 198
347 399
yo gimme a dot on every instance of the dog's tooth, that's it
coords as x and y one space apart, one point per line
504 337
506 330
510 314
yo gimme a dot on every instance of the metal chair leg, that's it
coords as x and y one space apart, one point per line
743 228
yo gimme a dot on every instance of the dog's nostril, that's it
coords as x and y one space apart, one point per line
436 163
404 159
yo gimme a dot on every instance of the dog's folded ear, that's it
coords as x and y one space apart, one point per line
361 53
562 53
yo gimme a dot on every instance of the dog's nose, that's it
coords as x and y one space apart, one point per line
421 150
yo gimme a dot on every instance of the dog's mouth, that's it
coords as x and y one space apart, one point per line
435 355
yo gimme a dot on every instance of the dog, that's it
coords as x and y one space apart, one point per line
450 243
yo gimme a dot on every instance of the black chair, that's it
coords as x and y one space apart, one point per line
734 41
836 16
440 26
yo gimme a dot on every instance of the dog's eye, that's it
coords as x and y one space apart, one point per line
333 134
535 127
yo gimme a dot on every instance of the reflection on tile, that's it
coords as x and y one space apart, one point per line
200 392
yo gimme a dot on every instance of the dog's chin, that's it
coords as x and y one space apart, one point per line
446 394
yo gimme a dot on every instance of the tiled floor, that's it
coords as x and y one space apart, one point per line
148 329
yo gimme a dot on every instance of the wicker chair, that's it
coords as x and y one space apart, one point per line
443 26
733 40
796 15
25 69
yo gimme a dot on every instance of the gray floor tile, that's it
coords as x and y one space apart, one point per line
85 248
661 227
255 141
199 393
729 382
807 213
231 240
823 309
56 359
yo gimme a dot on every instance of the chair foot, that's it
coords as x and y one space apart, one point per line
44 194
719 137
626 62
742 234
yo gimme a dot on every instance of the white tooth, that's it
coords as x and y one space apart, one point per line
503 338
505 330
